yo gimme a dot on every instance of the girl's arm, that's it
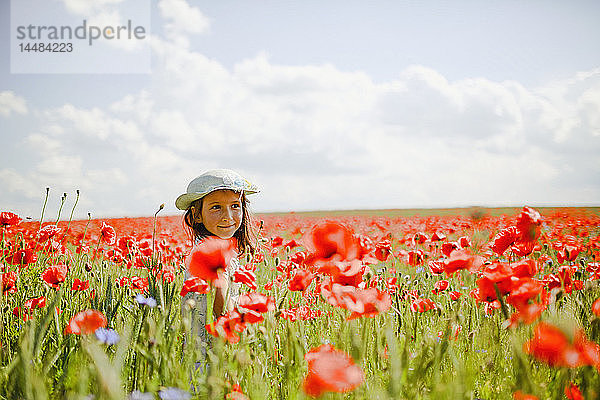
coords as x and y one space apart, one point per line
220 293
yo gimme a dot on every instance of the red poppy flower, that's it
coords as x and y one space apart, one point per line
209 257
332 240
440 286
127 244
422 305
291 244
550 344
36 302
8 219
108 234
449 247
572 392
196 285
256 301
528 224
419 238
247 277
504 239
523 248
454 295
523 290
344 272
227 326
383 249
437 236
9 282
29 306
436 267
236 395
367 302
518 395
86 322
55 275
464 242
276 241
139 283
47 232
462 259
589 351
330 370
22 257
301 280
524 268
415 257
596 307
567 253
80 285
526 314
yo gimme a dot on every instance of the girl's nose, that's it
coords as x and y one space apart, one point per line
228 214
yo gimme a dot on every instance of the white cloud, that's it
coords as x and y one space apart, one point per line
14 182
42 143
9 103
183 19
88 7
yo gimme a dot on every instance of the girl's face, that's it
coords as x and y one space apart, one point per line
221 213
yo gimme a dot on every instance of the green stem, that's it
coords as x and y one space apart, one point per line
502 303
71 216
44 207
154 231
62 203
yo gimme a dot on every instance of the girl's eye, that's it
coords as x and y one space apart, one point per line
215 207
236 205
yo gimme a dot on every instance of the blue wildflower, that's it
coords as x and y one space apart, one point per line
148 301
172 393
137 395
107 336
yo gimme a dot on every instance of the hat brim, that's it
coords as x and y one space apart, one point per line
184 201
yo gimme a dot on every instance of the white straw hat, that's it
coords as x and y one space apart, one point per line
214 180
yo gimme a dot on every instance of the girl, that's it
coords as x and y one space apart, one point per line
215 205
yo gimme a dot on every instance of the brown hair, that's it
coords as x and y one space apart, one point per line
245 235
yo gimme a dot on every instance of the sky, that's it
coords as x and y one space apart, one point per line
324 104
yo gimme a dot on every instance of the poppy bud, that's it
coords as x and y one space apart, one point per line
276 261
87 266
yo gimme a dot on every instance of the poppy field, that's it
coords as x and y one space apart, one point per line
380 306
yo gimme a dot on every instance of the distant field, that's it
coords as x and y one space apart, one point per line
409 212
